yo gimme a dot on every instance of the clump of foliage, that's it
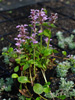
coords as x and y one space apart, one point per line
72 62
65 90
63 42
32 55
62 68
5 85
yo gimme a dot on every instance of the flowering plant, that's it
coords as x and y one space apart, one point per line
33 55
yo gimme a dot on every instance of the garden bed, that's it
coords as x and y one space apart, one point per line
65 23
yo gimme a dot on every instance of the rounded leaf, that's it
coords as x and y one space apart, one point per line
64 53
23 79
38 88
14 75
16 69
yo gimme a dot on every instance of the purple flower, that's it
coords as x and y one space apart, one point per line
50 45
35 42
18 26
46 39
27 37
40 31
50 39
15 38
69 56
19 51
25 25
23 40
19 35
18 44
41 16
53 17
33 35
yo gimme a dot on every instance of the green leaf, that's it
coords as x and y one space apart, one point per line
38 88
30 25
61 97
16 69
38 98
55 51
18 60
47 84
37 24
46 89
48 52
47 33
2 39
44 66
10 49
64 53
45 24
41 33
23 79
31 61
28 98
20 87
52 25
14 75
26 66
39 65
45 11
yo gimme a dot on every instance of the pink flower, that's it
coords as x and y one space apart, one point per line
53 17
23 40
50 45
19 35
18 26
50 39
19 51
40 31
15 38
46 39
18 44
35 42
41 16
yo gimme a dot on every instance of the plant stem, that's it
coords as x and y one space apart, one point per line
48 43
46 82
34 61
27 90
42 97
41 42
41 39
31 76
44 76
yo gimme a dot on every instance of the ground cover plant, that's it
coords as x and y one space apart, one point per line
64 42
34 55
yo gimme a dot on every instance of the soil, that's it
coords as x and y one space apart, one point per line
10 19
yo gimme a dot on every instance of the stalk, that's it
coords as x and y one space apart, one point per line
46 82
41 39
34 62
42 97
28 90
44 76
31 76
48 43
